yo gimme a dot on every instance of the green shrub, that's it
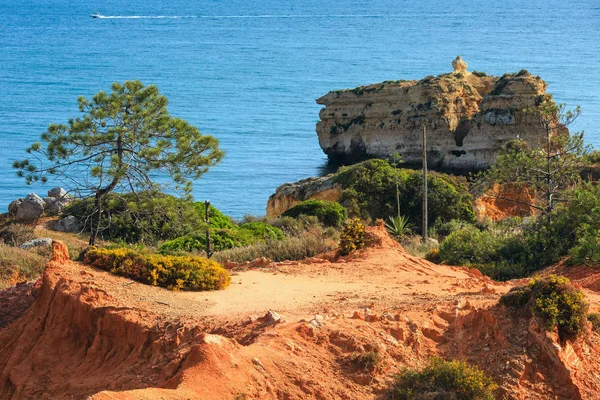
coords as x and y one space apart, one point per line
145 217
353 236
444 229
217 218
444 380
309 243
554 301
369 191
559 304
260 231
329 213
594 318
517 297
499 255
468 246
222 239
173 272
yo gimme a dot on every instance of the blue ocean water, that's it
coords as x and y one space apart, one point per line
248 72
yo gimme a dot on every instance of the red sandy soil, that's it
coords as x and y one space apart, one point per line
91 335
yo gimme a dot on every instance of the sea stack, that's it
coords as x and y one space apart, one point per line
468 116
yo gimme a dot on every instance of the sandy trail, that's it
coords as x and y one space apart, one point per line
384 275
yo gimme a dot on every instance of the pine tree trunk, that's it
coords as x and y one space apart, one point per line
96 219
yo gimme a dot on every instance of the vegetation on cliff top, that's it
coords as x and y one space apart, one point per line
118 144
327 212
370 192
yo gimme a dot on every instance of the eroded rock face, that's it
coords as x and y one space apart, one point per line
468 118
289 194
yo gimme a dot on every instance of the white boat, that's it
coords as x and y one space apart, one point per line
96 15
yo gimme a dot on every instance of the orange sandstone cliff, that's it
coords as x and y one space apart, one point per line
289 330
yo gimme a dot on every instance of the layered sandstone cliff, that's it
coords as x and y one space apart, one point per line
289 194
468 117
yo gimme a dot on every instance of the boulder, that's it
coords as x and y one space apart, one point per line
53 205
272 318
68 224
31 208
13 207
41 242
57 192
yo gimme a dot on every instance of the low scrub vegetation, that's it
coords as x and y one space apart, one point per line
594 318
554 301
370 192
14 233
246 234
515 248
173 272
309 243
17 265
366 361
444 380
329 213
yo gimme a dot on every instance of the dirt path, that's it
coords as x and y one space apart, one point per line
383 275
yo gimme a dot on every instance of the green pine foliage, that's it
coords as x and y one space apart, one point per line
118 144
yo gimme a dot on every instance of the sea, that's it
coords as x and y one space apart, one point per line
248 72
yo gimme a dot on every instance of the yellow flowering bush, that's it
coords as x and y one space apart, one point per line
554 301
173 272
353 236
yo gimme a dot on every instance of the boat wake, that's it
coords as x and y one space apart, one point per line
144 16
98 16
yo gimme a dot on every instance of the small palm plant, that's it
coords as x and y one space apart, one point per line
399 227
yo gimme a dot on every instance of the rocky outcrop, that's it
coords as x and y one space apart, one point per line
32 207
468 117
68 224
39 242
289 194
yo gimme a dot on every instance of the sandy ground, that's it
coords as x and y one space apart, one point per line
384 276
94 334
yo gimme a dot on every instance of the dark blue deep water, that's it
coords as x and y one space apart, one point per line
248 72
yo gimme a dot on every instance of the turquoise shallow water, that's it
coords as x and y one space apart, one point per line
248 72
